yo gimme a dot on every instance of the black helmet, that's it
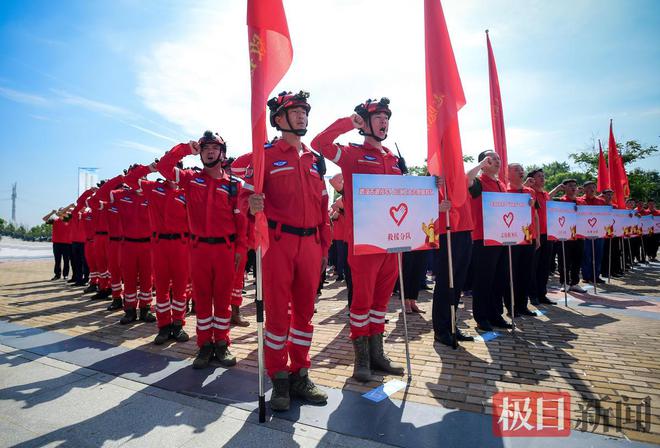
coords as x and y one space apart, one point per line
372 107
284 101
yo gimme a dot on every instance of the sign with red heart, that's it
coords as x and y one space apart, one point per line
399 213
593 221
562 221
507 218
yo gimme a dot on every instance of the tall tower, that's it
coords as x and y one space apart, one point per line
13 203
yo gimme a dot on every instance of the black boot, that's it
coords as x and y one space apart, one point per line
146 316
102 294
204 356
361 368
302 386
56 277
130 316
236 318
279 398
223 355
178 333
163 335
90 288
380 361
115 305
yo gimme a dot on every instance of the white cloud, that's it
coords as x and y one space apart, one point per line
23 97
140 147
93 105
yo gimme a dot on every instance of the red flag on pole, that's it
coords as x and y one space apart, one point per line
496 113
444 98
618 177
603 173
271 54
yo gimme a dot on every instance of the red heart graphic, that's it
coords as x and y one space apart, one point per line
508 219
592 221
399 213
562 221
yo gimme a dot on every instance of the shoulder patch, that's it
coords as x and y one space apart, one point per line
370 158
280 163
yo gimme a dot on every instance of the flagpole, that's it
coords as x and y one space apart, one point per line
259 302
563 257
609 262
403 313
450 266
513 311
632 262
593 261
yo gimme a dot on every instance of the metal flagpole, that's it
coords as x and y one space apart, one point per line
622 257
593 261
450 264
609 262
513 311
259 302
563 257
403 313
632 262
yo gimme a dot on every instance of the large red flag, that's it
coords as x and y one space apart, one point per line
444 98
603 173
271 54
496 113
618 177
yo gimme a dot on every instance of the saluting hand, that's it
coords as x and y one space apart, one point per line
256 202
194 147
529 182
357 120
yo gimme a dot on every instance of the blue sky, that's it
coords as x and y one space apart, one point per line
110 83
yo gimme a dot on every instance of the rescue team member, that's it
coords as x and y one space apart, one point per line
460 221
61 238
218 232
614 252
90 244
653 240
542 256
574 247
489 261
78 237
101 240
522 255
136 266
374 275
641 210
590 198
238 168
295 202
115 237
169 218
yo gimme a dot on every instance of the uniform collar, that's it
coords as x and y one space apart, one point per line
285 146
369 147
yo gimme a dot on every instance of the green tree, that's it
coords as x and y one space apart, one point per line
631 152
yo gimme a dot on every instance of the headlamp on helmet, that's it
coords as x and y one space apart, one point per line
285 101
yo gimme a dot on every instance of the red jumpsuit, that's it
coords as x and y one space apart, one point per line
100 224
374 275
115 234
90 247
239 168
217 229
296 201
136 247
171 257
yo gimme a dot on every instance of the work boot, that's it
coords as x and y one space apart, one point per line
178 333
380 361
163 335
102 294
56 277
204 356
279 398
130 316
361 369
90 288
146 316
236 318
115 305
223 355
301 386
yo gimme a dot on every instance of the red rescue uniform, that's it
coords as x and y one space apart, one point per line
373 276
171 255
217 228
115 235
296 205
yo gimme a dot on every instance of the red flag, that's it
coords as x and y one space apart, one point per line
444 98
603 173
271 54
618 177
496 113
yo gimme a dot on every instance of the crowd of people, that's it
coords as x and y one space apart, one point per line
191 236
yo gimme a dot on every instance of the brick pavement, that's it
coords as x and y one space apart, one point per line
585 351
